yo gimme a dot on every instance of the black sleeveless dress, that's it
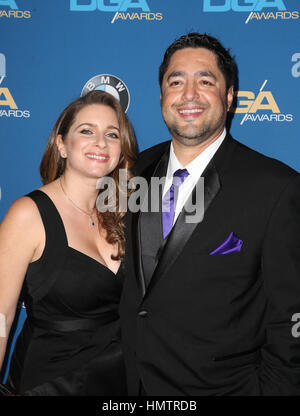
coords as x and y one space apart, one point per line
70 342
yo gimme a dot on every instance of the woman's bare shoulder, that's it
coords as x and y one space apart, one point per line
23 213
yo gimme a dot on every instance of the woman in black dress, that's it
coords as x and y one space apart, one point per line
66 257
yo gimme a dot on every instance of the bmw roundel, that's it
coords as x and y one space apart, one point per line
111 84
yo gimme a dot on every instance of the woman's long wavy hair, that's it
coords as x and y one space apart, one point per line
53 165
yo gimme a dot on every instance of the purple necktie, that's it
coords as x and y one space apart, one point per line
169 201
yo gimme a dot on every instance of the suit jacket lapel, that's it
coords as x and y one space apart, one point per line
136 252
182 230
156 169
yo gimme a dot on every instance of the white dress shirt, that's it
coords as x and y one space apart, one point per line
195 168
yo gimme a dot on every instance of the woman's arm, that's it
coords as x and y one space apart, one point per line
21 237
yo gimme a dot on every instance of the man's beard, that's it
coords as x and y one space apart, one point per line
190 139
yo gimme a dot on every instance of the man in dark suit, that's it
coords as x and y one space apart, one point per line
208 307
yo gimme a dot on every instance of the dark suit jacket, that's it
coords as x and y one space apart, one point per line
218 324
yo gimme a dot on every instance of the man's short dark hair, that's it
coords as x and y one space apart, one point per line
225 61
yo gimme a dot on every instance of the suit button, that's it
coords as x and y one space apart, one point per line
142 314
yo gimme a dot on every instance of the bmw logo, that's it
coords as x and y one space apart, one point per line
111 84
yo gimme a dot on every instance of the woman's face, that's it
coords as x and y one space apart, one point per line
92 146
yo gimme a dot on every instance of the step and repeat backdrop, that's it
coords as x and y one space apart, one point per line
52 51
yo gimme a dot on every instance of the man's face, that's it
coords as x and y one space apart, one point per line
194 101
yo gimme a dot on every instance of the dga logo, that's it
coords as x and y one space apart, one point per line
139 9
296 66
255 8
111 84
14 10
6 98
260 107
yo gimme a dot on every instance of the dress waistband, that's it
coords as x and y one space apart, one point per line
74 324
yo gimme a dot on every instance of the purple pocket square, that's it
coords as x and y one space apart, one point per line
230 245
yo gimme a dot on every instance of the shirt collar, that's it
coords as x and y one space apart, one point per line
197 165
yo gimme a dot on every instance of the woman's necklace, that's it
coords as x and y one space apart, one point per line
76 206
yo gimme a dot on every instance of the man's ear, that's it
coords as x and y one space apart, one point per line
230 94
